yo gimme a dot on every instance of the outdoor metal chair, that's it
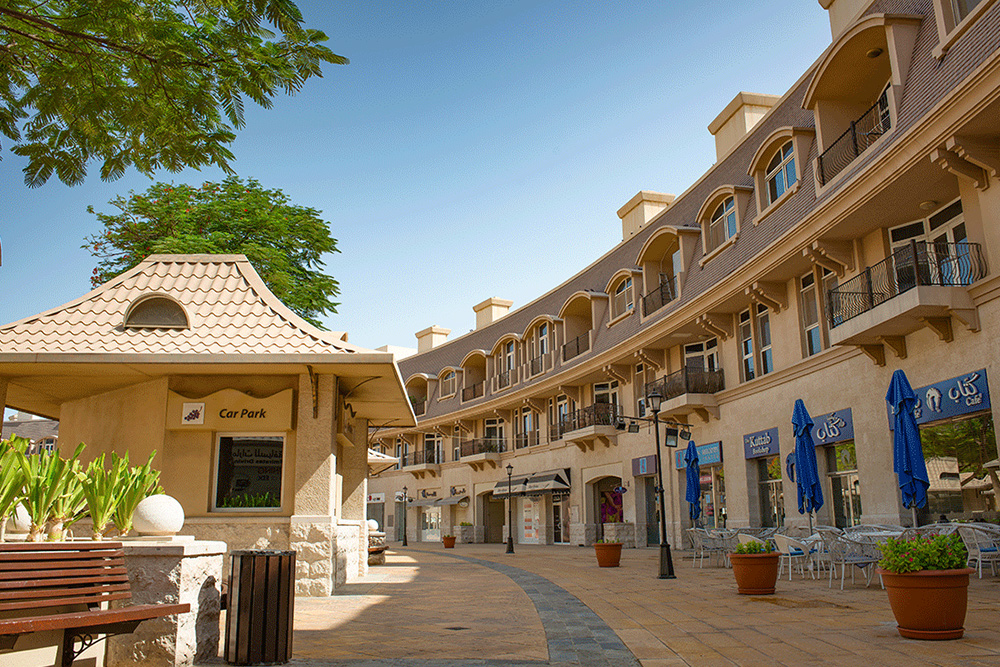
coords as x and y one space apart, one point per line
792 550
982 545
844 551
704 544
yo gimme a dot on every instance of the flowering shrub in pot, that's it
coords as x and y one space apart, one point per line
927 581
755 567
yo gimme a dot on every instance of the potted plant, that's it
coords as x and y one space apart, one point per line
609 554
755 566
449 541
927 581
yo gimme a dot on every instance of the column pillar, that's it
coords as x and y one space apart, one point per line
352 527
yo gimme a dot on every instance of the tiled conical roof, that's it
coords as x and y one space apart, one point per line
229 309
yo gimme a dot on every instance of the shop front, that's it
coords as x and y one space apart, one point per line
960 448
644 472
764 465
712 491
834 433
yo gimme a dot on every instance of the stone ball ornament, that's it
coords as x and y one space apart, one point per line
158 515
373 525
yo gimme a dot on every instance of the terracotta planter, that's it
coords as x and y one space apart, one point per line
449 541
755 574
609 554
929 604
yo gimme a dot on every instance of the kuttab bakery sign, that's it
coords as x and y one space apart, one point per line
231 410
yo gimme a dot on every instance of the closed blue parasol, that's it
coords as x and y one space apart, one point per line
806 472
693 492
907 451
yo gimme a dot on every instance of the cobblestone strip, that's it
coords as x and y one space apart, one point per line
576 636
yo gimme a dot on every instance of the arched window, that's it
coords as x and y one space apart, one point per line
780 174
156 312
722 226
623 301
449 384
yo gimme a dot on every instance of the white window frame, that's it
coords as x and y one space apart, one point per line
748 372
761 313
624 287
723 215
809 292
215 472
785 164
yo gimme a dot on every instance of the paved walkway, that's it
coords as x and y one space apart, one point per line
553 606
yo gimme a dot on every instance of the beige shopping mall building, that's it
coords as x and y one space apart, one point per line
849 227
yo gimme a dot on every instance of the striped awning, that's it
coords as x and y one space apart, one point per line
517 485
552 481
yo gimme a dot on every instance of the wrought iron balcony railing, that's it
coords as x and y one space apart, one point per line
503 379
577 346
598 414
537 365
919 263
855 140
475 391
522 440
660 296
421 456
483 446
687 381
418 407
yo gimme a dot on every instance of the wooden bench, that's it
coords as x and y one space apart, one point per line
42 579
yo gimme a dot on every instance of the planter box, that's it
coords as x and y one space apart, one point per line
929 604
609 554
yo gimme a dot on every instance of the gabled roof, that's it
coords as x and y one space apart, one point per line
229 308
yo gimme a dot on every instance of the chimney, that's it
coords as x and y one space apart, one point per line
490 311
738 118
430 338
640 209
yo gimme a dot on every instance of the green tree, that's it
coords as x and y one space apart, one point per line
148 84
283 241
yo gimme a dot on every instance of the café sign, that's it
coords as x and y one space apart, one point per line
958 396
761 443
709 454
836 426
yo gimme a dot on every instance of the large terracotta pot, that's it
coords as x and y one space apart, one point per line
449 541
755 574
929 604
609 554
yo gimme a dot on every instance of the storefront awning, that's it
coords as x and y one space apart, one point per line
379 462
517 485
453 500
424 502
552 481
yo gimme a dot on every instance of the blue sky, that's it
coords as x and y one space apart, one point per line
469 150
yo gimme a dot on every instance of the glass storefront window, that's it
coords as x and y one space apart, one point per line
961 486
772 502
430 524
713 497
248 475
842 466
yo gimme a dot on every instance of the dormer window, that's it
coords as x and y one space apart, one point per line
780 172
722 226
954 18
156 312
623 301
449 384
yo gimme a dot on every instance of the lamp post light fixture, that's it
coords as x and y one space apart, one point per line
404 516
510 510
654 401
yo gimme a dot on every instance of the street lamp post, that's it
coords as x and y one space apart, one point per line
404 516
666 562
510 510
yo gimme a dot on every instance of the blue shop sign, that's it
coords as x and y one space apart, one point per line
836 426
761 443
950 398
709 454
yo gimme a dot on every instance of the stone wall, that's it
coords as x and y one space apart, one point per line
313 543
620 532
347 538
241 533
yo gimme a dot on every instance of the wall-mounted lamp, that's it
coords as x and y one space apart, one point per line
874 53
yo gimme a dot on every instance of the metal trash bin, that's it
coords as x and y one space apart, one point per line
260 607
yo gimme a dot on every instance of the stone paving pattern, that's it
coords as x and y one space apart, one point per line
554 606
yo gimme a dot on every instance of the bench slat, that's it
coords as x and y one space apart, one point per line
62 581
32 556
59 546
48 592
44 574
63 565
85 619
67 600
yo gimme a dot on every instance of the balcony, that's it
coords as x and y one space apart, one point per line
855 140
660 296
419 407
920 284
537 365
522 440
422 462
482 452
591 425
689 390
576 347
503 380
475 391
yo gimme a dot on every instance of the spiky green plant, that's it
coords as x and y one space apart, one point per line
47 477
70 506
11 478
137 483
102 491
